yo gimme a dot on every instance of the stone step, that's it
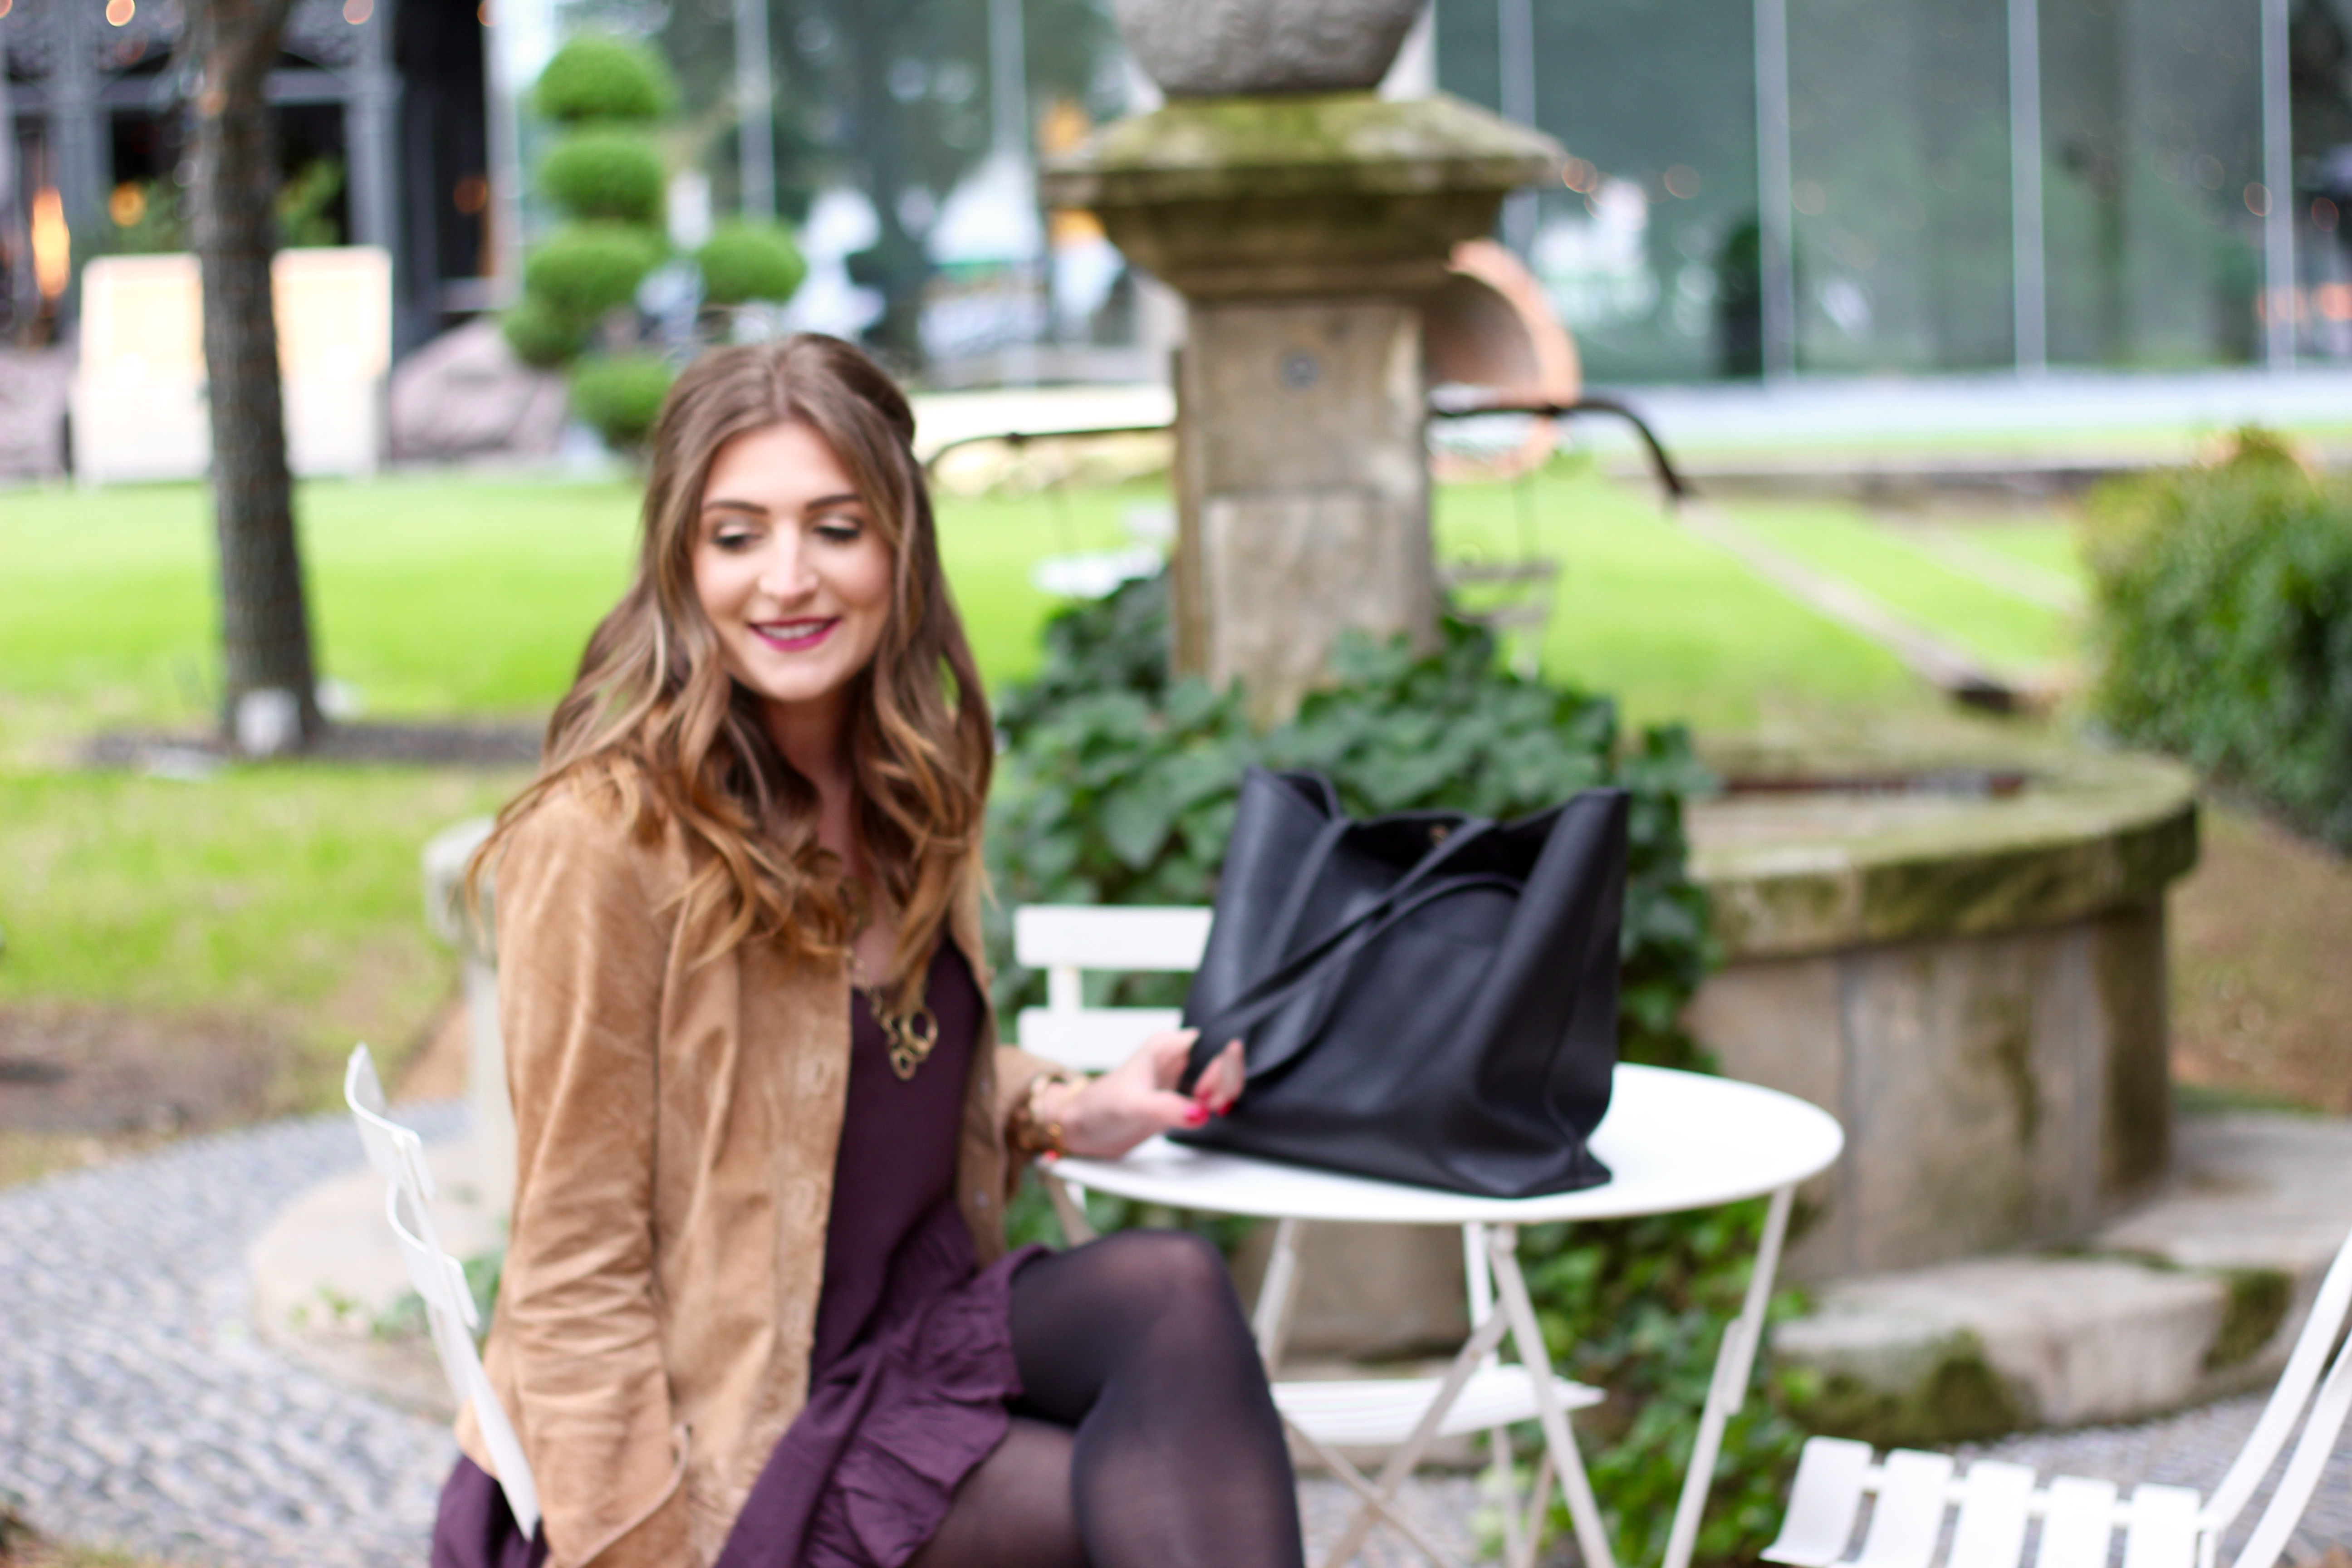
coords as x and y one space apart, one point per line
2197 1294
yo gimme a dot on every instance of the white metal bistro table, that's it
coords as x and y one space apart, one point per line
1673 1140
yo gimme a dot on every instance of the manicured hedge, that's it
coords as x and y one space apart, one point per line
620 396
587 268
598 77
541 335
744 261
605 173
2223 624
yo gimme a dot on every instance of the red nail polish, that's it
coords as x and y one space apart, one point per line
1196 1115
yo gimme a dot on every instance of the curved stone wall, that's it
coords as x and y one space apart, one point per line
1962 957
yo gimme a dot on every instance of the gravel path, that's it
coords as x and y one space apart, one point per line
138 1410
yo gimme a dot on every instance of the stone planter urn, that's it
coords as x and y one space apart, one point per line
1214 48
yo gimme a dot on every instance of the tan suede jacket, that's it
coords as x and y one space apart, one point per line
675 1126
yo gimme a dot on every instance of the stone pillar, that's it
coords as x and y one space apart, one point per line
1305 508
1304 231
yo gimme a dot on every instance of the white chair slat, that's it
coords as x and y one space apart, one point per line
2163 1531
1126 939
398 1155
1909 1516
1996 1505
1093 1039
514 1475
2330 1307
1823 1503
2329 1414
2078 1520
1383 1412
439 1279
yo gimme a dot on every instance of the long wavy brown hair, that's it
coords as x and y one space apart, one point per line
655 720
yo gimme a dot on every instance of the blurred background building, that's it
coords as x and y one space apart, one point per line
1758 187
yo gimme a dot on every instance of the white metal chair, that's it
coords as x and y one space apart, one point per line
2164 1527
398 1156
1394 1414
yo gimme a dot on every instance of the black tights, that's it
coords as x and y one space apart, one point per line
1146 1437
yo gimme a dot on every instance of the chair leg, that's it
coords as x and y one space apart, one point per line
1373 1501
1538 1505
1728 1390
1583 1509
1401 1463
1506 1497
1270 1322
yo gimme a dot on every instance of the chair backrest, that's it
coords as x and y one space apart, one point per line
2288 1404
398 1155
1066 940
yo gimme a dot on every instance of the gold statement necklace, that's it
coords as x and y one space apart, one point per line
912 1032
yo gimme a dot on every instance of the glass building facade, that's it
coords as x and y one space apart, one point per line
1890 187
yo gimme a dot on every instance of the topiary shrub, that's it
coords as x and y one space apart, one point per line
2222 625
542 336
620 396
598 77
585 269
1118 786
744 261
605 173
607 176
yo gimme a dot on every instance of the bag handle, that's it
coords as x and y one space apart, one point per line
1337 950
1319 851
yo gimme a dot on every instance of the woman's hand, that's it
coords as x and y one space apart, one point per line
1112 1114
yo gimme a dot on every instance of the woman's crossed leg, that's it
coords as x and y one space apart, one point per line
1147 1436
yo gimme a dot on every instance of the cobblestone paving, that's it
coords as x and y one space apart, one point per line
138 1410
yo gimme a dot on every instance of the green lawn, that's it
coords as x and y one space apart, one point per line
2056 549
2014 635
1674 628
289 894
433 596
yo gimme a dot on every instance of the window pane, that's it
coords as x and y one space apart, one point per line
2152 134
1898 114
1652 263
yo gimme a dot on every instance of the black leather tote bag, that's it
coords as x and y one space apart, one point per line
1429 997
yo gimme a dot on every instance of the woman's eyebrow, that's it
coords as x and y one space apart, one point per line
726 503
846 498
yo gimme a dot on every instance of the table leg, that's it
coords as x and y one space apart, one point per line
1583 1511
1734 1362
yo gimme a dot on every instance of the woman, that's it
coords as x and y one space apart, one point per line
757 1307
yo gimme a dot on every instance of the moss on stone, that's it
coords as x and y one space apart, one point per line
1957 1397
1208 148
2259 1298
2092 832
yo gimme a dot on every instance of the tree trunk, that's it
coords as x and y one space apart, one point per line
264 624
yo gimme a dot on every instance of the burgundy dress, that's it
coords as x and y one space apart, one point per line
912 1367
